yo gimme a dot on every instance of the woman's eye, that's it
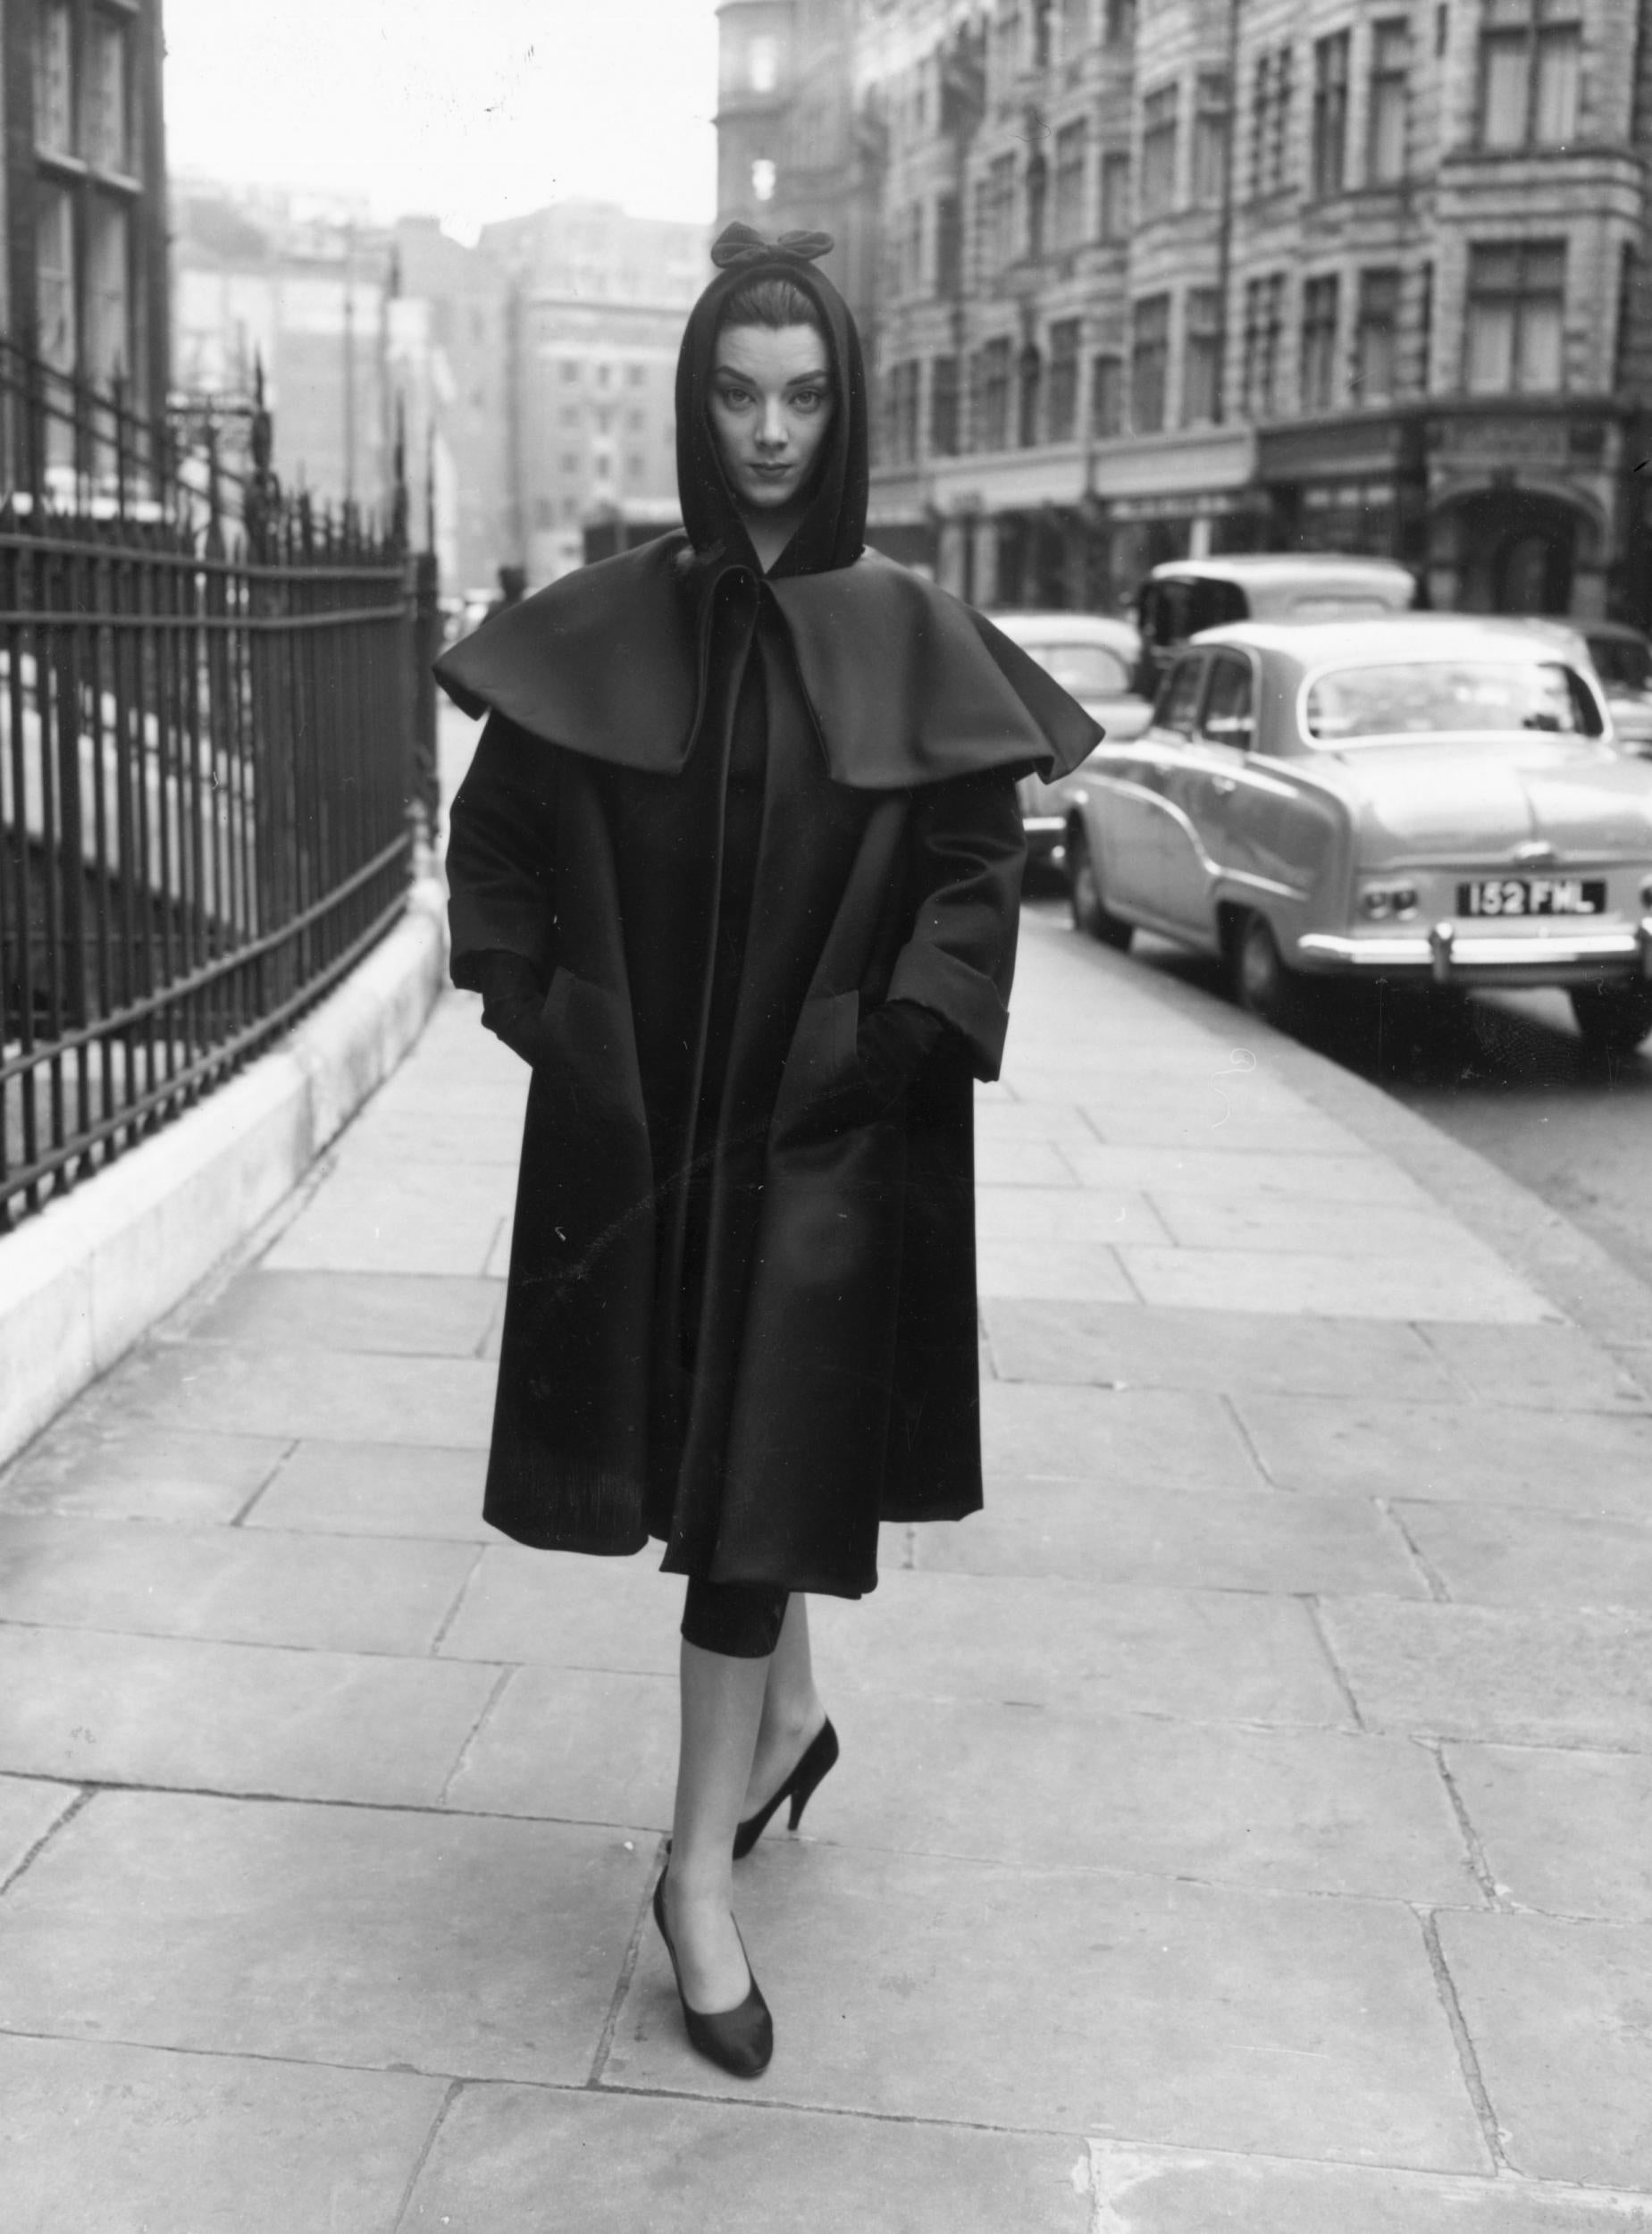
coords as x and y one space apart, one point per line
808 398
733 399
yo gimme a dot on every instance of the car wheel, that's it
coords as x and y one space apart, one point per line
1613 1019
1261 984
1084 890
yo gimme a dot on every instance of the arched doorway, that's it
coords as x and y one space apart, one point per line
1517 551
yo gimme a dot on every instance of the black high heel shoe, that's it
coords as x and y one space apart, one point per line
741 2040
817 1758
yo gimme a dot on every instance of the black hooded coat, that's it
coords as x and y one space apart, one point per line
724 816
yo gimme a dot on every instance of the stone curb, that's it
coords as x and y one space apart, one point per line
1582 1279
83 1281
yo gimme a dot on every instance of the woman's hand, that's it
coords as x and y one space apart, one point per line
513 1003
890 1046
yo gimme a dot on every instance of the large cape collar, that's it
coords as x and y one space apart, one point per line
904 684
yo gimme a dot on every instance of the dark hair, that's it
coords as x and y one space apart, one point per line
773 302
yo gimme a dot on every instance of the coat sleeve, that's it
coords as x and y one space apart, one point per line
970 850
501 854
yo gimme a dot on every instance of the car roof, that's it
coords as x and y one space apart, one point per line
1259 568
1310 643
1611 630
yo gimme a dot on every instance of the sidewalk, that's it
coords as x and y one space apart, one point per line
1243 1824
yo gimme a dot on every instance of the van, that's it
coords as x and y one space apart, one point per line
1184 595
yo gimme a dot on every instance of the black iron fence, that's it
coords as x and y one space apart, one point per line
215 728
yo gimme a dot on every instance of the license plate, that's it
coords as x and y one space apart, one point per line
1532 895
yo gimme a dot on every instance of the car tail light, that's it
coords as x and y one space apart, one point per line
1646 892
1377 903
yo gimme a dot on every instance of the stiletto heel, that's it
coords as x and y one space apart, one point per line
799 1787
739 2040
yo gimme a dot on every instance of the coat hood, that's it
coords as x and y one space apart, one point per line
833 528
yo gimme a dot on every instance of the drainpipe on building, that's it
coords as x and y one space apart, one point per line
1224 220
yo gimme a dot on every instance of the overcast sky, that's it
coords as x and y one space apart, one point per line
466 109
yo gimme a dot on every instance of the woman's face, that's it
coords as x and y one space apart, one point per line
771 405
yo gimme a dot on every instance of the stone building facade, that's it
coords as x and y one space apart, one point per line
1218 274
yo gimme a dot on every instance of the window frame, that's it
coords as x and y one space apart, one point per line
1328 136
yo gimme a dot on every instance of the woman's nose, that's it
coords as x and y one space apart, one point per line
773 429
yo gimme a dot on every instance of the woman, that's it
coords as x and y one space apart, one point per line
736 869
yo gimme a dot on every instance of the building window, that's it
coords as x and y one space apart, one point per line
1064 379
1069 166
634 421
995 364
1390 101
1037 198
1530 52
1329 152
1158 151
569 462
1264 312
1319 344
1376 338
1150 359
1118 23
1425 331
635 467
948 246
901 394
944 428
763 65
765 177
636 375
1075 27
1515 303
54 78
1270 109
1210 138
1116 197
544 513
54 267
108 104
1202 358
1030 396
569 369
1106 397
1000 231
108 295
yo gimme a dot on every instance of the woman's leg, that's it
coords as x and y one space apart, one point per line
722 1707
793 1713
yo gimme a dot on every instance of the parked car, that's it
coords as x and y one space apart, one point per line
1622 659
1427 800
1184 596
1093 658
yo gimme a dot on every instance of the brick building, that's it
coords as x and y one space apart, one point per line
1219 274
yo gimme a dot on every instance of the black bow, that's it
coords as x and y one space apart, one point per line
740 243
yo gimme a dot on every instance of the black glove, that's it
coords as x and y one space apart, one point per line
513 1001
890 1046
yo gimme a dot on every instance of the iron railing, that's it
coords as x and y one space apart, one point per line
214 708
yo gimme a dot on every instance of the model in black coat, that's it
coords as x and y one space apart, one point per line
737 867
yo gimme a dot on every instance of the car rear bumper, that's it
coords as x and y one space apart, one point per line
1045 834
1444 956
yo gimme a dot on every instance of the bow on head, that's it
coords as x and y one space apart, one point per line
740 243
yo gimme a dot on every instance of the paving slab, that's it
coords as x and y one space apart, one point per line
1207 1655
1053 1213
1022 1164
235 1718
1461 1286
1362 1230
574 1745
443 1400
1161 2191
1162 1348
484 1133
115 1471
1578 1462
1215 1118
1538 1675
28 1810
1262 1174
1056 1999
1561 2017
377 1490
1566 1832
1293 1810
454 1944
1233 1541
1078 1270
568 1611
414 1314
542 2162
1486 1555
1553 1366
104 2139
1000 1124
238 1585
1148 1436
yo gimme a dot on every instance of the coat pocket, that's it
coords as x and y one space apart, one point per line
822 1061
592 1060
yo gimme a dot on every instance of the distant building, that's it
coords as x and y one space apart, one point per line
451 327
1199 275
598 304
83 275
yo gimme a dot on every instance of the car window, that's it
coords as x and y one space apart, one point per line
1089 670
1179 697
1214 604
1338 604
1622 662
1448 697
1228 718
